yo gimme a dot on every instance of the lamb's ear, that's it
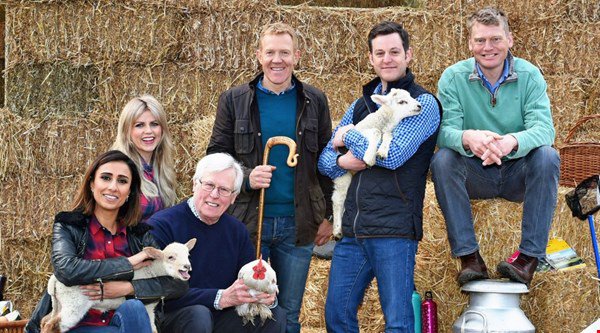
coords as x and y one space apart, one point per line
379 99
190 244
153 253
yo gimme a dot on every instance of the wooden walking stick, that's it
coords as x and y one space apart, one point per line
292 160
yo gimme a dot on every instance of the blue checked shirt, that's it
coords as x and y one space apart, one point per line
406 138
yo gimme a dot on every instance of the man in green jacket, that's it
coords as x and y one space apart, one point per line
495 141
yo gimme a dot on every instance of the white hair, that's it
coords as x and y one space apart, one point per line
218 162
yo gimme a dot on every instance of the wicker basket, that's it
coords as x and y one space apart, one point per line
13 326
578 160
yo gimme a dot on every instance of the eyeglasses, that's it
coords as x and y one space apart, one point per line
209 187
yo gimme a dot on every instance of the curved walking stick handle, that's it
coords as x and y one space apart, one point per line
292 160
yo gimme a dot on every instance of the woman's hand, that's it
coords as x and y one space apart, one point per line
112 289
140 259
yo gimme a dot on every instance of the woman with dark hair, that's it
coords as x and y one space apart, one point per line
99 244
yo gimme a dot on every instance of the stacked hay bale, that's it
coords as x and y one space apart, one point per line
72 65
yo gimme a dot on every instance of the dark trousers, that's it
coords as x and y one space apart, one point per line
199 319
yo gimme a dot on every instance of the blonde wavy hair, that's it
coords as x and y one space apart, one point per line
162 158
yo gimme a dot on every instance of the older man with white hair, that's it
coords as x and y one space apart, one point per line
224 247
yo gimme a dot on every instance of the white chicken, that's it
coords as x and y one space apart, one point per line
260 278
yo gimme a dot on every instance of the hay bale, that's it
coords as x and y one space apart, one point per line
581 39
92 32
341 89
35 90
27 215
572 98
536 40
498 231
567 99
52 146
583 11
191 140
341 44
188 6
516 8
223 40
355 3
185 92
564 299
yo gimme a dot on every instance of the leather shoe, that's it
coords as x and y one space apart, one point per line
520 270
472 268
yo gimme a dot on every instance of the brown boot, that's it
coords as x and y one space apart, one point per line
520 270
472 268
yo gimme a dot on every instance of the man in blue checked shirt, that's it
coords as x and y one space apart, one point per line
382 221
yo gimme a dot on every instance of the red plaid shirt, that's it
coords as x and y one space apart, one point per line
103 245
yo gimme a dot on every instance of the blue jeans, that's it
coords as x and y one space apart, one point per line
532 179
356 261
290 262
131 316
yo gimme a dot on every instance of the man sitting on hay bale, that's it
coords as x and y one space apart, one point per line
382 222
495 141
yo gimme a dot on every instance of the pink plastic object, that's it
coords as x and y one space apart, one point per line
429 320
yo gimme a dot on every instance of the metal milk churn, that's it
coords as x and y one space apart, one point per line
493 307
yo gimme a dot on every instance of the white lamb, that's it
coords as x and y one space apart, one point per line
69 304
376 127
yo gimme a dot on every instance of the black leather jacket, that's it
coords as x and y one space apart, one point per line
237 132
69 240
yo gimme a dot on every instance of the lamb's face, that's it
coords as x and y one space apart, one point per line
401 102
177 261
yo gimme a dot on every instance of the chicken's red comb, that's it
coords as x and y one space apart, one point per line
259 271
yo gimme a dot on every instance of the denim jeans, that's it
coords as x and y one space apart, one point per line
532 179
131 316
290 262
356 261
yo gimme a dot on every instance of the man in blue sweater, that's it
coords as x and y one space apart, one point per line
224 246
495 142
297 200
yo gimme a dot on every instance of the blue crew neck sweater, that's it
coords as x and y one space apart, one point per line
278 118
221 250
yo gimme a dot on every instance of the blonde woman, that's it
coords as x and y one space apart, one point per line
143 135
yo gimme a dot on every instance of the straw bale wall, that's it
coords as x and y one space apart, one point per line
72 65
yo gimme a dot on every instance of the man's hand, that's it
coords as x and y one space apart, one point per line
337 139
264 298
260 177
349 162
498 149
324 233
477 141
236 294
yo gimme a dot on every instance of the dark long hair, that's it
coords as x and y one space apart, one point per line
130 213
